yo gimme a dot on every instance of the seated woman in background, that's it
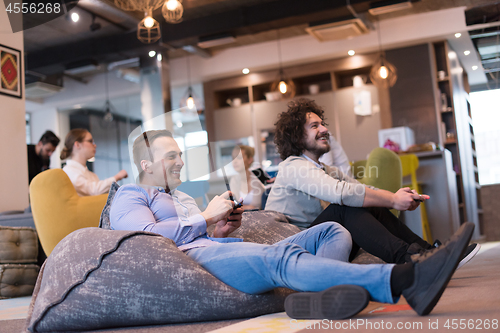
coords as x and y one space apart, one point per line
245 184
79 147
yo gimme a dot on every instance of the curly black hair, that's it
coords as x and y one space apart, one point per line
289 136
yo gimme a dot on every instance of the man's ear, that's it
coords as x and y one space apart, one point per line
146 166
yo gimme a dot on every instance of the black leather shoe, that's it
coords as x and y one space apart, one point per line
338 302
433 271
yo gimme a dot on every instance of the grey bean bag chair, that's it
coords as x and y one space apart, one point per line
97 278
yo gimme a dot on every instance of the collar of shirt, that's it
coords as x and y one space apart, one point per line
316 164
158 188
75 164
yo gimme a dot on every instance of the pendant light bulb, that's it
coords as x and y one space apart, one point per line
383 72
172 4
190 102
149 22
282 87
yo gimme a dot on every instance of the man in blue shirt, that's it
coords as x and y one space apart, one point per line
313 261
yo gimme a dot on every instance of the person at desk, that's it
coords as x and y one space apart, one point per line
79 147
39 154
245 183
303 186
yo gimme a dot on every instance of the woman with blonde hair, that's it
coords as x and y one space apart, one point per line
79 147
245 184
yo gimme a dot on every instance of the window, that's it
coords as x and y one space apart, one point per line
485 109
195 147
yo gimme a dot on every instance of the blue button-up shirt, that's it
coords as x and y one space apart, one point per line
174 215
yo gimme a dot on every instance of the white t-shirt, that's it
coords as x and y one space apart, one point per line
251 196
85 181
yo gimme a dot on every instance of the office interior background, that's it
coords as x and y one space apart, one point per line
75 72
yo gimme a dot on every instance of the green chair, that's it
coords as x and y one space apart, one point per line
382 170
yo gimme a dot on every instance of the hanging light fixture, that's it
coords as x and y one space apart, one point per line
139 5
383 74
172 11
285 87
108 107
148 29
190 99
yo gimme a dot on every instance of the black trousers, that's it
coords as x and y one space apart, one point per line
374 229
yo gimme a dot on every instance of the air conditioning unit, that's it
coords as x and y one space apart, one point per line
385 7
39 90
338 30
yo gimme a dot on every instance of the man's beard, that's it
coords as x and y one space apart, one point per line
316 149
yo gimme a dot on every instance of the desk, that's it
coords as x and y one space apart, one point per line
438 179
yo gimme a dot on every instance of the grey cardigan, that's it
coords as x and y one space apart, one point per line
301 185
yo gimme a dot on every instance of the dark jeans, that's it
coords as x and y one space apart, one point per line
374 229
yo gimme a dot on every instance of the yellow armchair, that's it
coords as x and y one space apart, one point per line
58 210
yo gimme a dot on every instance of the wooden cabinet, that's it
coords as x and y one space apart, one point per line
456 129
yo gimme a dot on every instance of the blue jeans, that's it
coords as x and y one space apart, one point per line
312 260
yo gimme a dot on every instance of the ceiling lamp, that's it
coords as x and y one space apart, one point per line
139 5
284 86
148 30
172 11
383 74
75 17
108 107
190 99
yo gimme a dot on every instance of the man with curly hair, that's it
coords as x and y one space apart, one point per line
303 183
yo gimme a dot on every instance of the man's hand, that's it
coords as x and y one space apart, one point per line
121 174
218 209
405 199
224 227
417 199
